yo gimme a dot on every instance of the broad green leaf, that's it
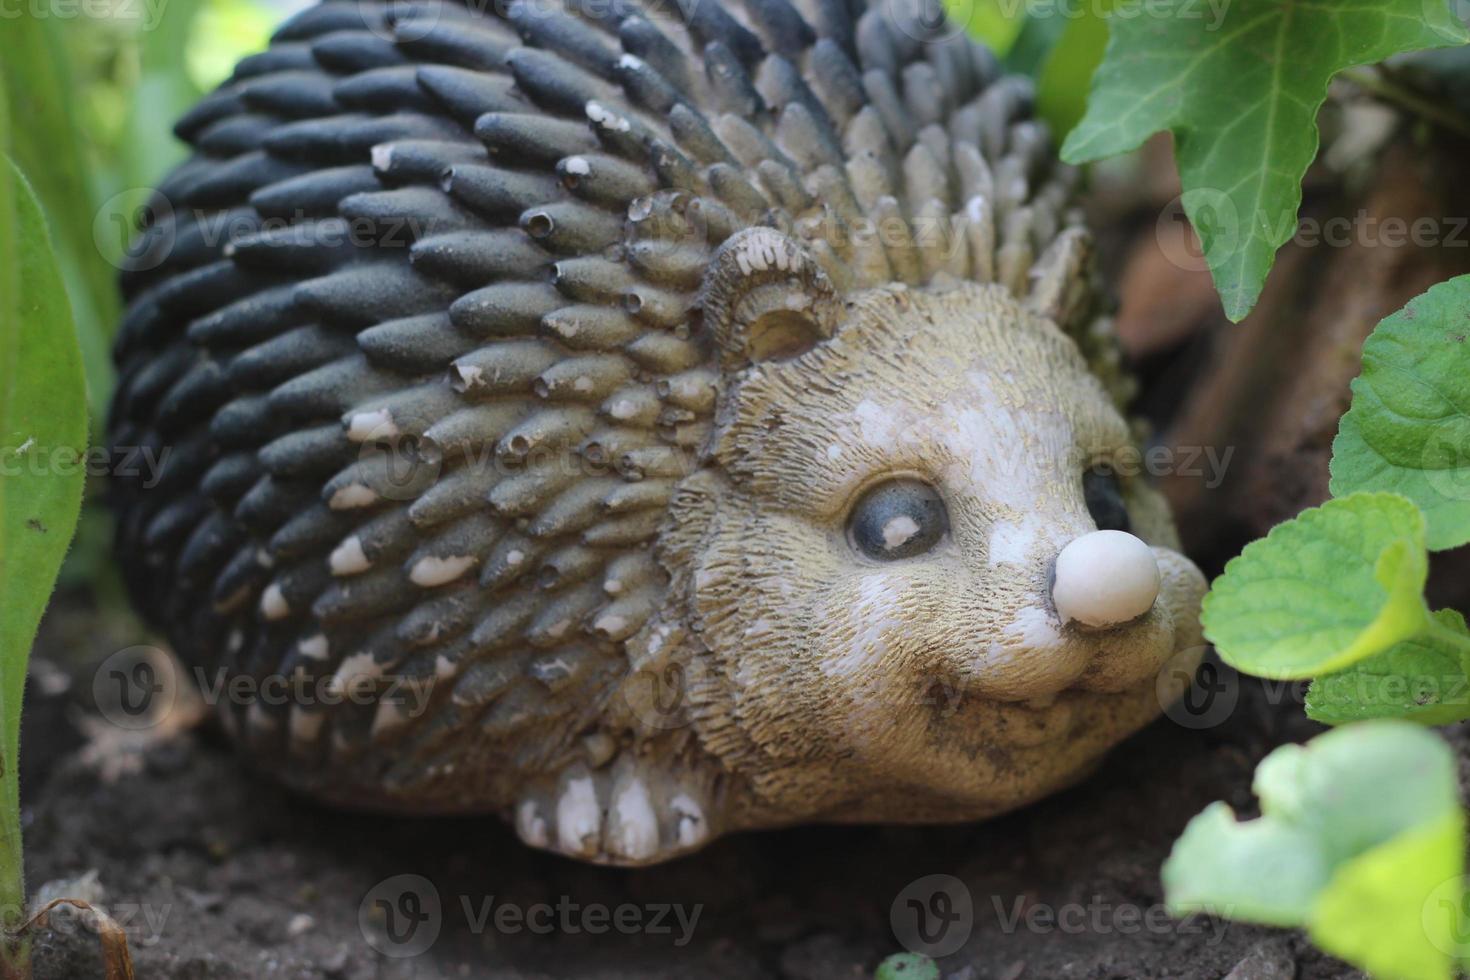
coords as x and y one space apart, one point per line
1359 830
1061 89
1373 911
1241 97
43 436
1425 680
1334 585
1408 430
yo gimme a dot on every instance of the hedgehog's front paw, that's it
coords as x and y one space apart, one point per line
624 813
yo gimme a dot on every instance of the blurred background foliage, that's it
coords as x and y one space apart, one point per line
1058 43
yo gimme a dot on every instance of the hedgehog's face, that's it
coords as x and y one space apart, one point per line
881 586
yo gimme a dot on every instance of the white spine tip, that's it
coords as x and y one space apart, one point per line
371 426
348 558
434 571
1104 579
353 496
273 605
531 825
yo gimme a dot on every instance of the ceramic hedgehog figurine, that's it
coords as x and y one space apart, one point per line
644 420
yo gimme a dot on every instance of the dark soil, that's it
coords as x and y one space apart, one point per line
218 873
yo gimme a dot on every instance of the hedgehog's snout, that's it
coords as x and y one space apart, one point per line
1105 579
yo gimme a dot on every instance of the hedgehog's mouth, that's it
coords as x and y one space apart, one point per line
1039 721
1130 676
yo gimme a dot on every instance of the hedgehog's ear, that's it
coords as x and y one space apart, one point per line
766 298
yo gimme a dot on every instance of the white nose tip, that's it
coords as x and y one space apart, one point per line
1105 578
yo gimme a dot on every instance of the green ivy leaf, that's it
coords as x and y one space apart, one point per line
1241 98
1408 430
43 436
1359 830
1422 680
1336 584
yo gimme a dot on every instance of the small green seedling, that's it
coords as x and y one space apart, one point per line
1360 841
1337 594
1408 430
1361 838
907 966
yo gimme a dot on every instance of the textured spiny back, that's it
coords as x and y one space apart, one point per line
421 335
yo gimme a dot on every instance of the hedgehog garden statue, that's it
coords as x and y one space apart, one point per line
644 420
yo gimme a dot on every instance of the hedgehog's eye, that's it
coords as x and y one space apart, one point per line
1104 496
898 519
